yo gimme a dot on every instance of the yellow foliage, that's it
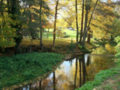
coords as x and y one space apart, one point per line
110 48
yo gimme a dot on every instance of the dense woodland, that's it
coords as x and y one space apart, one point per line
20 18
93 22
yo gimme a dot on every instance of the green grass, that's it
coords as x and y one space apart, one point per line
71 33
99 78
24 67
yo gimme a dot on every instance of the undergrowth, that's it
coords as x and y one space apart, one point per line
23 67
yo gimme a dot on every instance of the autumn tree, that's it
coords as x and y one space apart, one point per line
105 22
54 32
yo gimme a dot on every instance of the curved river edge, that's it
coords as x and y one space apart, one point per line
101 76
67 57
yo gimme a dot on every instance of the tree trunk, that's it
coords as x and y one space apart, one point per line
1 4
81 32
112 38
85 28
48 34
90 22
89 35
41 44
15 10
3 20
76 22
30 23
54 33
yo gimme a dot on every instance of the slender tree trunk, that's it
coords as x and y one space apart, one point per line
89 35
76 22
41 45
90 22
81 32
1 4
112 38
3 20
54 33
8 6
48 34
86 19
85 29
30 23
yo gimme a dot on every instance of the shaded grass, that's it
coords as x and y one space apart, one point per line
61 45
24 67
27 42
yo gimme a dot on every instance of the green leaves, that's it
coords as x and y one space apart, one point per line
6 32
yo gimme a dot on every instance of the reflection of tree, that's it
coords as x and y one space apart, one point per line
82 70
98 63
40 85
70 62
104 49
75 74
88 61
54 80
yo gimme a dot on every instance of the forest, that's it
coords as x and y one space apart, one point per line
59 44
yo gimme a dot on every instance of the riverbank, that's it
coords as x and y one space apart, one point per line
62 46
17 70
102 77
22 68
106 79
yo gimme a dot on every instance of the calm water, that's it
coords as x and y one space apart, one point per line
73 73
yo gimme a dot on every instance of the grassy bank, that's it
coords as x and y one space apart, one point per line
24 67
101 79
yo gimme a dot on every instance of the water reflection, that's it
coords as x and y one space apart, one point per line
106 49
73 74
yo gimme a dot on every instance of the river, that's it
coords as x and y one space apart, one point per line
73 73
